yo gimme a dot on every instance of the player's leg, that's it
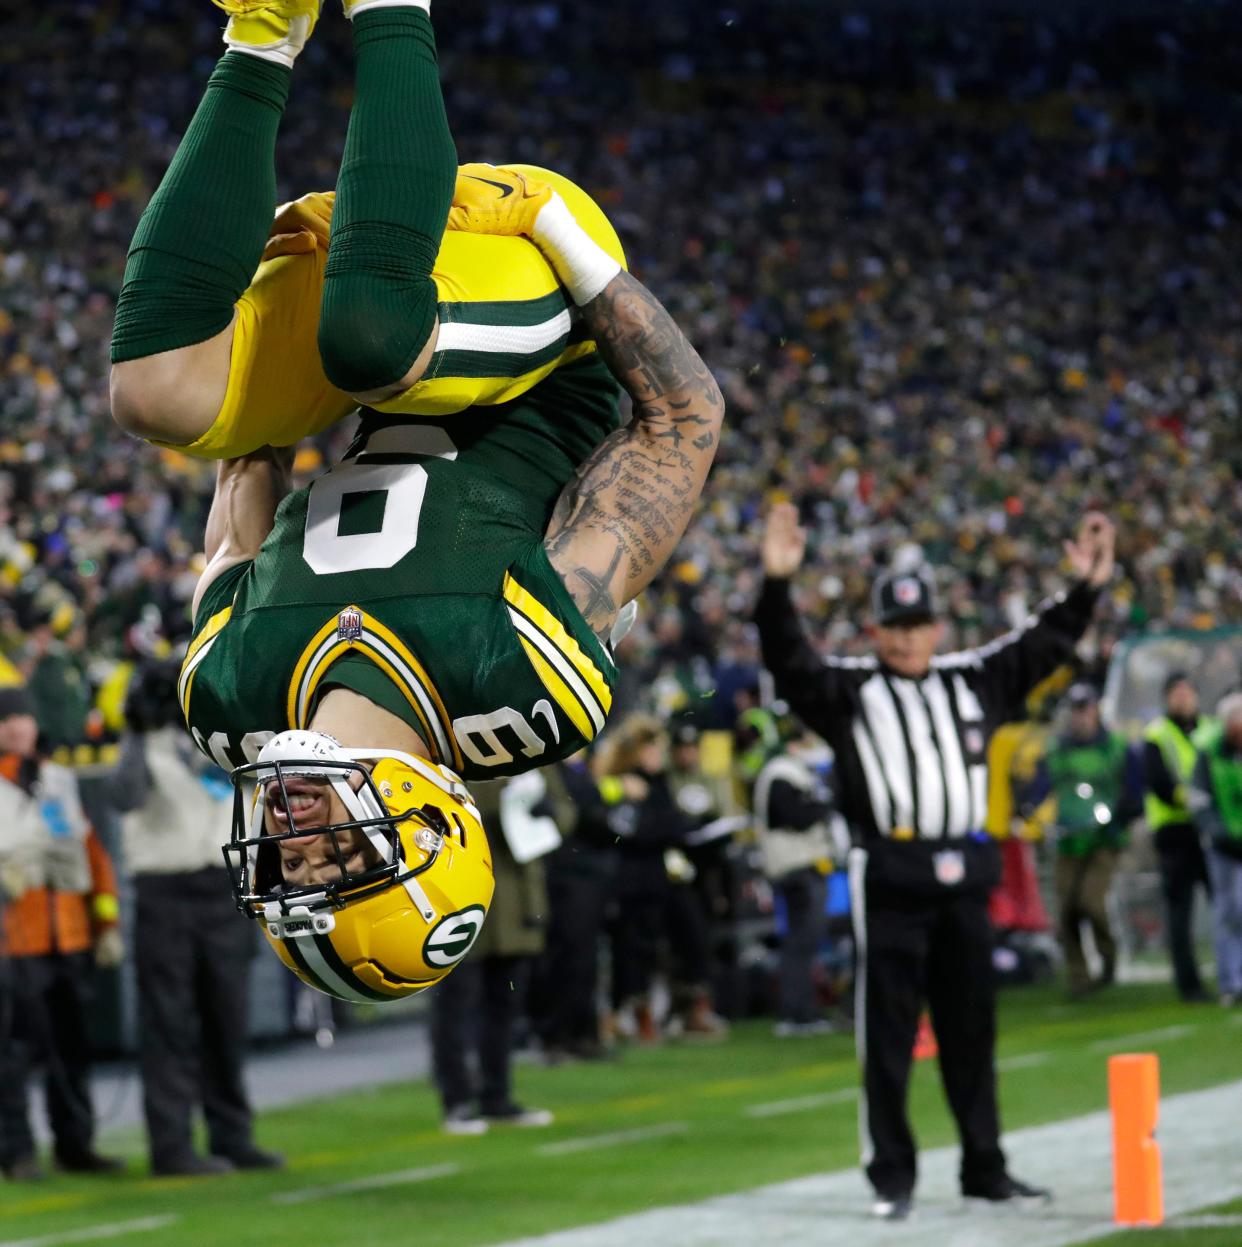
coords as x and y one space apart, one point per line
506 322
201 237
962 993
378 315
892 937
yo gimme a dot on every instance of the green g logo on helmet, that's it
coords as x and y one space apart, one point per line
453 936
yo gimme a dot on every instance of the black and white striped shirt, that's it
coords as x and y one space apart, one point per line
912 753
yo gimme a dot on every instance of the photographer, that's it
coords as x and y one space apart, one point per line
1089 774
192 950
793 808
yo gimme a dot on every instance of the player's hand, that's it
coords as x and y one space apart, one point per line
784 542
1091 553
301 225
491 200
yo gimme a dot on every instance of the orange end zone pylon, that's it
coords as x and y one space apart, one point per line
1134 1097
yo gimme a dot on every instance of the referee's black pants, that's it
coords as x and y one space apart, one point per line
915 948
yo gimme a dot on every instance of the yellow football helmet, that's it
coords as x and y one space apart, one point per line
412 874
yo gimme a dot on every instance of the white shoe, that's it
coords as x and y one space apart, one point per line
803 1030
898 1209
517 1115
463 1120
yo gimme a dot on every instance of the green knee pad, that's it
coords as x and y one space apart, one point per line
379 305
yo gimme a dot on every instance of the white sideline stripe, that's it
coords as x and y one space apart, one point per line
1117 1043
1205 1221
374 1183
801 1104
618 1138
94 1232
1023 1060
1074 1157
503 339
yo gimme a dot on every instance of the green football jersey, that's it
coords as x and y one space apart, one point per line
414 573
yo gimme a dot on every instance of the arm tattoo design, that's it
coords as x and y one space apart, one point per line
620 518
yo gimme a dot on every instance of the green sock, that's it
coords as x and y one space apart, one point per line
201 237
392 202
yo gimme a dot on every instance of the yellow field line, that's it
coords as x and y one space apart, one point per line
47 1203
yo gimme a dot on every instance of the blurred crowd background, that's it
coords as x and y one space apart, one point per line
960 278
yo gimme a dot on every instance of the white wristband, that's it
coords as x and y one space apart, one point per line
583 266
425 5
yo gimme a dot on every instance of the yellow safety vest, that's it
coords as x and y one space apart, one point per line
1179 756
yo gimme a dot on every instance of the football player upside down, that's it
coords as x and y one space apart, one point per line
440 603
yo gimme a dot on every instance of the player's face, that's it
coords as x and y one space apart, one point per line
312 859
908 648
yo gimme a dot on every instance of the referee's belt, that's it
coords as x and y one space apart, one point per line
908 834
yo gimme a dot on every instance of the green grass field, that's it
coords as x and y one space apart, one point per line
694 1099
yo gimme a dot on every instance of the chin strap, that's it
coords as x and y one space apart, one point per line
421 900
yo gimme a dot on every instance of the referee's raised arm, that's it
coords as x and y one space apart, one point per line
1015 663
812 688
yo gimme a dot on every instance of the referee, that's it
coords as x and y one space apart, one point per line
910 731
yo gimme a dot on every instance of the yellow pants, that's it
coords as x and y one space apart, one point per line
505 324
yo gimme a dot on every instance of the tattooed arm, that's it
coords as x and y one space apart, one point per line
619 520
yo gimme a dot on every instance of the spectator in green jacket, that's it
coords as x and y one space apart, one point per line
1091 777
1217 801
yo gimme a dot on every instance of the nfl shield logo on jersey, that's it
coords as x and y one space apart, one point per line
349 624
950 867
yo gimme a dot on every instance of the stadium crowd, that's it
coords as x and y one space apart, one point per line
958 280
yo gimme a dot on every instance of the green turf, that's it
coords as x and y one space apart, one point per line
505 1189
1181 1236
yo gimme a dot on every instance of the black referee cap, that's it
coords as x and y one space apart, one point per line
903 598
